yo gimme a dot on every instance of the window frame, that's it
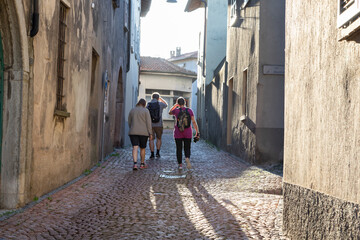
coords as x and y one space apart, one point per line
244 95
345 16
61 59
234 12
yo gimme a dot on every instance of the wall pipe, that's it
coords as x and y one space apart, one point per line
204 44
129 39
35 19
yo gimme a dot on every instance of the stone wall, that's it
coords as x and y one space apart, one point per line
322 135
42 151
64 148
310 214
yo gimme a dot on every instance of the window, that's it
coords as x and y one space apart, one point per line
60 108
233 12
244 96
161 92
179 93
127 17
229 112
347 11
233 9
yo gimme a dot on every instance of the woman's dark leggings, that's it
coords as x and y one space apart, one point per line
179 146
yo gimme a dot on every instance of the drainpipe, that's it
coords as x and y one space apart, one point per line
35 19
204 44
105 85
129 37
203 111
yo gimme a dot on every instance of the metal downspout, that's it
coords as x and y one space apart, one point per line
204 43
129 39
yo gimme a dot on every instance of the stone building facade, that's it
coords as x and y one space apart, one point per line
254 102
244 101
322 120
64 66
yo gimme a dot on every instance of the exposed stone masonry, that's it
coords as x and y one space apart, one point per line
313 215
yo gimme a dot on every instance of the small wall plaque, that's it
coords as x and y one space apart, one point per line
273 70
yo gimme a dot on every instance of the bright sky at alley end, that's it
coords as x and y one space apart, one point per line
167 26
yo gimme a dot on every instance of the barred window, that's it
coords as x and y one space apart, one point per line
61 58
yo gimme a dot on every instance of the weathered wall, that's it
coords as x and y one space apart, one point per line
64 148
216 117
315 215
270 96
255 39
242 53
322 126
325 129
188 64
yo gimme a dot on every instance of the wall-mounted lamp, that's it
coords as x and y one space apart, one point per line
171 1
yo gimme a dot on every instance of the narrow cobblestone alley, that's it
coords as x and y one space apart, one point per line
221 198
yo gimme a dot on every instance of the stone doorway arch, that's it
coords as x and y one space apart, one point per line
16 126
119 112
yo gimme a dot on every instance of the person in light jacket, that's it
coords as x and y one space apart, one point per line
140 130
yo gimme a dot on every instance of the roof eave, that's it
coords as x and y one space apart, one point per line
170 73
193 5
145 7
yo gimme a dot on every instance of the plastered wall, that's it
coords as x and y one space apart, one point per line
322 102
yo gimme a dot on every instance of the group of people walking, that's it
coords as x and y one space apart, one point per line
145 122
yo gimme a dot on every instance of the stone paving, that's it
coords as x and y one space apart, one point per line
220 198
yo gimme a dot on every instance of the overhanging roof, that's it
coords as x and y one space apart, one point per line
160 65
193 5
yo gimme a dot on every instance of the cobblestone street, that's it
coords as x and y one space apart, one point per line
220 198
